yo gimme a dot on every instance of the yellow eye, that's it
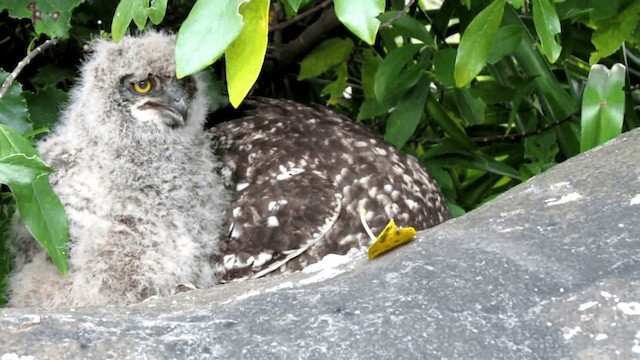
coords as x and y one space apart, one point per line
143 87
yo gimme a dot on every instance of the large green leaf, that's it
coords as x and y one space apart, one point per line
44 216
405 117
360 16
390 69
476 42
21 169
612 32
443 64
602 105
245 56
51 17
325 56
506 42
39 207
13 107
547 26
206 33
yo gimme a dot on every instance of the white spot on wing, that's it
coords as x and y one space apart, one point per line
236 232
286 174
324 229
272 221
263 257
635 200
241 186
228 261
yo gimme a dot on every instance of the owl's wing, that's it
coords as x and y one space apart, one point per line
300 176
274 222
280 207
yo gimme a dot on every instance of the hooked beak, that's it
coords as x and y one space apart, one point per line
175 114
172 106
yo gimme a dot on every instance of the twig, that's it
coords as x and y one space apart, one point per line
398 15
27 59
308 39
301 16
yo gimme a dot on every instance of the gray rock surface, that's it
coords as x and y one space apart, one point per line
549 270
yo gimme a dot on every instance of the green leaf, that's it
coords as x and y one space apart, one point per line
51 75
44 216
39 207
407 26
367 73
45 105
325 56
390 69
547 26
517 3
18 9
122 18
371 108
476 43
245 56
405 117
469 106
206 33
492 92
484 162
11 143
13 107
138 11
21 169
541 148
612 32
449 124
294 4
51 17
602 106
443 64
506 42
360 16
157 10
336 88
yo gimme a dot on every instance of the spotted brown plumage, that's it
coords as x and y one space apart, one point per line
301 176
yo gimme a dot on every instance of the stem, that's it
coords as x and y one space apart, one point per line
27 59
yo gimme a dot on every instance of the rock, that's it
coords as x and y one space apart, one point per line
549 270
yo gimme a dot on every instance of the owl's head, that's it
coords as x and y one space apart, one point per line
135 82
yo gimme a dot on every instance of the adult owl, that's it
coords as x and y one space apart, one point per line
155 202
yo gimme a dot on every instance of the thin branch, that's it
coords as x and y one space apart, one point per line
14 74
397 16
485 140
301 16
308 39
521 135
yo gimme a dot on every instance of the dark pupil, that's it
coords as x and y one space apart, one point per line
143 84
